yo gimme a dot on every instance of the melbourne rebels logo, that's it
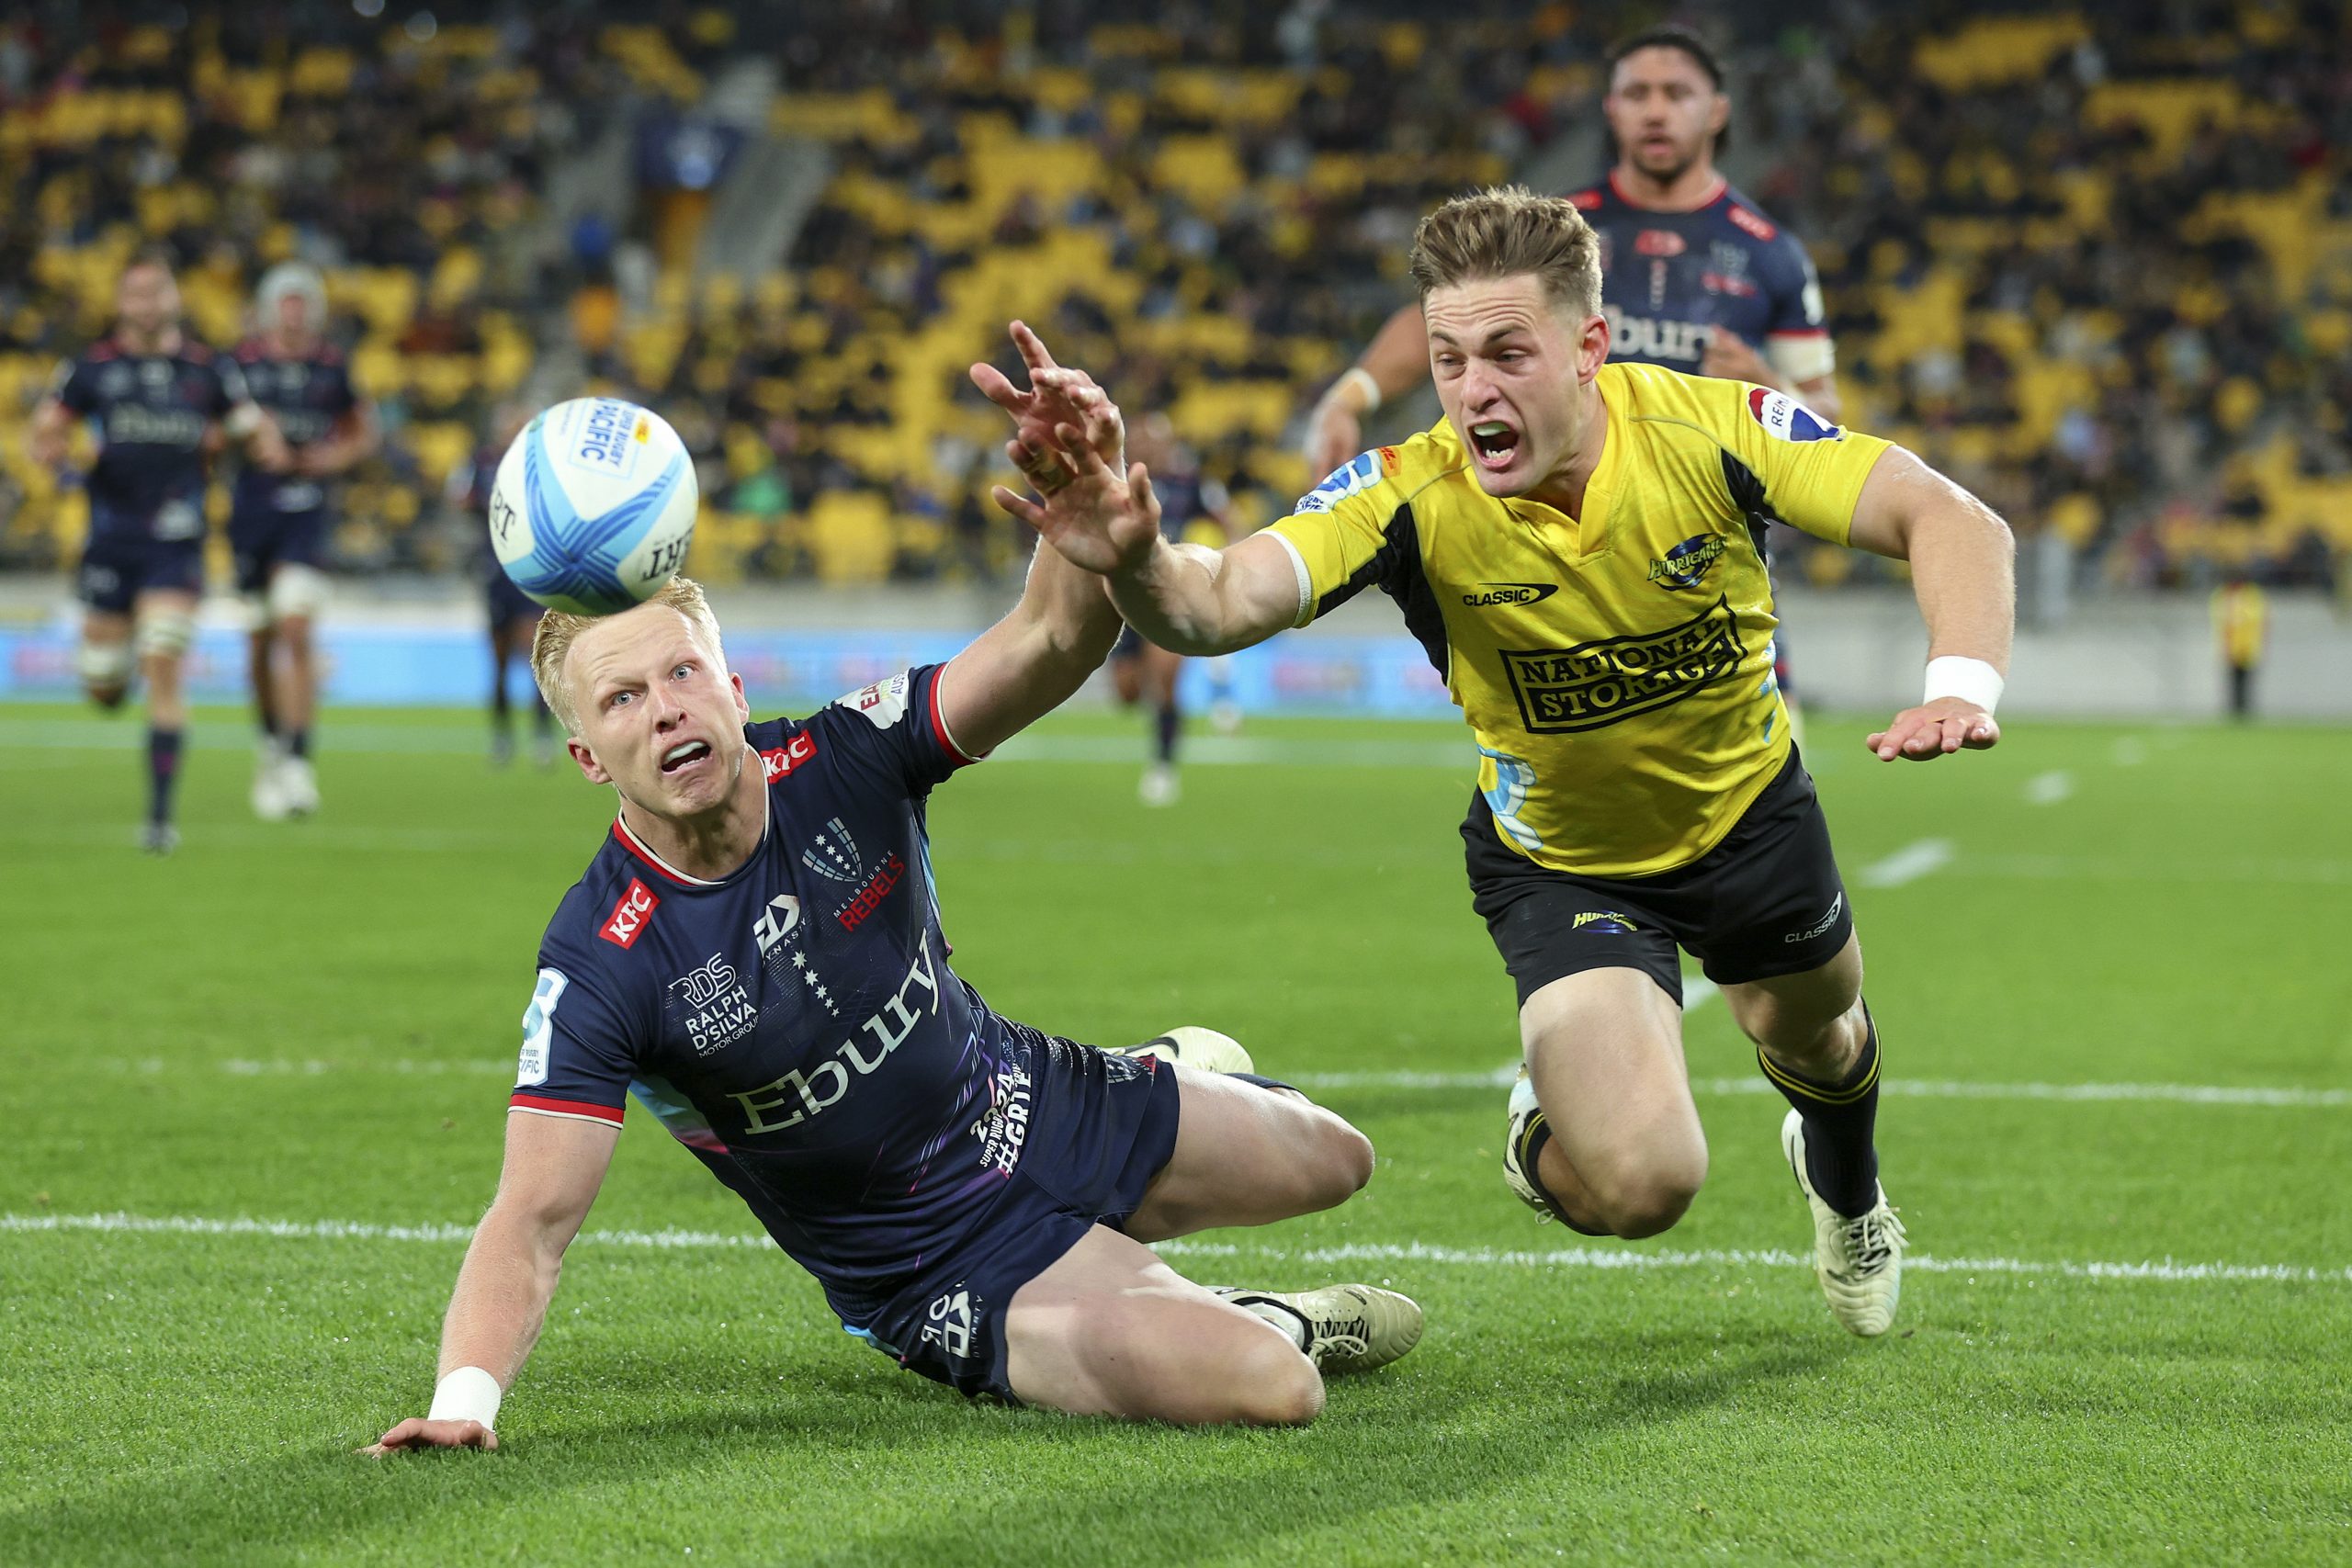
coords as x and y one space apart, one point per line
1785 419
1594 684
834 855
1684 565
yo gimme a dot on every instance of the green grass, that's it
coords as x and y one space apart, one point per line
309 1023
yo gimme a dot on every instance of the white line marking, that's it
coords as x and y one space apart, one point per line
2167 1270
1908 864
1698 991
2048 789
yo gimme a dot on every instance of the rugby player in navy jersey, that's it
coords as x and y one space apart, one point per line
756 954
1694 276
1191 510
159 403
279 522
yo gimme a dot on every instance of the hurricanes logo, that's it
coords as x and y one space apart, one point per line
1594 684
1687 562
1604 920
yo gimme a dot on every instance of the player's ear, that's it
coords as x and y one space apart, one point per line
590 769
1592 347
1719 115
742 703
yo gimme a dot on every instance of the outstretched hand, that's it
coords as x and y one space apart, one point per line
1069 442
1935 729
418 1433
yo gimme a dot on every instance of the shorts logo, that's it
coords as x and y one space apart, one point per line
834 853
1607 921
626 922
1493 593
782 759
1594 684
718 1010
1820 927
1785 419
948 1324
1359 472
1687 562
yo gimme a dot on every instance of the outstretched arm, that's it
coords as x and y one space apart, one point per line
554 1166
1397 357
1962 567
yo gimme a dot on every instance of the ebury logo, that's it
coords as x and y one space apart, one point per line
1594 684
1684 565
782 760
626 922
1492 593
1606 920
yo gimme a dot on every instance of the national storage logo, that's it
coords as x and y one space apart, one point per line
1595 684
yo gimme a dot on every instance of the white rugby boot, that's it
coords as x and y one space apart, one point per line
158 837
270 782
298 783
1342 1329
1192 1046
1859 1261
1160 785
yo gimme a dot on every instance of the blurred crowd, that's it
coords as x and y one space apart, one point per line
2097 262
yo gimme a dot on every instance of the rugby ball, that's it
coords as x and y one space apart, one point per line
593 506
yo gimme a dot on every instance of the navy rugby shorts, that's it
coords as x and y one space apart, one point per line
1101 1128
119 566
1767 901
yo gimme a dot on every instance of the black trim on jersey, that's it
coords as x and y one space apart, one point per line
1748 494
1396 568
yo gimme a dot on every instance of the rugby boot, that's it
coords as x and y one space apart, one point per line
1192 1046
1858 1260
1342 1329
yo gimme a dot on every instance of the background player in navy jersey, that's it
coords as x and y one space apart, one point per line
1191 503
756 953
513 616
158 403
279 522
1694 275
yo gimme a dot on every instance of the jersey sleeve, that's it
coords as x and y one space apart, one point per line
1782 460
1341 535
341 397
76 385
577 1059
892 734
229 386
1796 340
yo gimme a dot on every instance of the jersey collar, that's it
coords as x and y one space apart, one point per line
628 839
1715 193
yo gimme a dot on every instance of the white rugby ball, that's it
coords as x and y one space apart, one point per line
593 506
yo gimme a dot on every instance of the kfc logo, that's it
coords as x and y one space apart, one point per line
626 922
780 761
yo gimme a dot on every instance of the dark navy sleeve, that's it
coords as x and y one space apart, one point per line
228 384
1793 288
77 386
341 398
891 732
578 1058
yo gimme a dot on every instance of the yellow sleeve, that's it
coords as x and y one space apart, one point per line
1787 460
1337 534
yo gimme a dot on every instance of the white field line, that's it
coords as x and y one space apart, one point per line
1908 864
2165 1270
1500 1078
2048 789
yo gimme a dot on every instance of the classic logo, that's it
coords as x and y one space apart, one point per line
782 759
1492 593
1820 927
869 898
1687 562
1595 684
626 922
834 853
1607 921
718 1009
778 920
1785 419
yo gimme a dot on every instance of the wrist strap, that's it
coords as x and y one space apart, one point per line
1362 381
1971 680
467 1395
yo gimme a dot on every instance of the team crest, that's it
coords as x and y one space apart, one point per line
1687 563
834 855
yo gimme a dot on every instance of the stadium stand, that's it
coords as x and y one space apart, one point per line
2097 261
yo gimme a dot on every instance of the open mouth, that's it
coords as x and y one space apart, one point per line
684 755
1494 444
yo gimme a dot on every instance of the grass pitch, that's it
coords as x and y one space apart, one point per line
2108 963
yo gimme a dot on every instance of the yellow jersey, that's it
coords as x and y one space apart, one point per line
1616 668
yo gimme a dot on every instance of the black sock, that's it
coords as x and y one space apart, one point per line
1264 1082
1840 1158
298 742
162 772
269 725
1170 720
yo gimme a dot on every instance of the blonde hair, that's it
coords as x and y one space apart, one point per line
559 629
1505 231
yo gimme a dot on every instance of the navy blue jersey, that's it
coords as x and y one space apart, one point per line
151 412
308 395
794 1023
1667 280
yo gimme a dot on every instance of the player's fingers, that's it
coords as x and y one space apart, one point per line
1032 348
1139 491
1028 510
1983 735
995 386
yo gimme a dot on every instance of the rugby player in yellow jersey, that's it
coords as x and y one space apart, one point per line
1573 544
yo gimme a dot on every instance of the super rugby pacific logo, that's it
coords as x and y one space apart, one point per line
1687 562
1785 419
1491 594
1358 473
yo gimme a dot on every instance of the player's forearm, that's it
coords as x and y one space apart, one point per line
1964 568
500 1302
1068 616
1397 356
1178 598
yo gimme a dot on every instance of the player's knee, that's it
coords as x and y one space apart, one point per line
1351 1158
1273 1385
1645 1199
164 635
297 593
104 668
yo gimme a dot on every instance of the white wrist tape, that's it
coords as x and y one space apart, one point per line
1361 381
467 1395
1971 680
243 420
